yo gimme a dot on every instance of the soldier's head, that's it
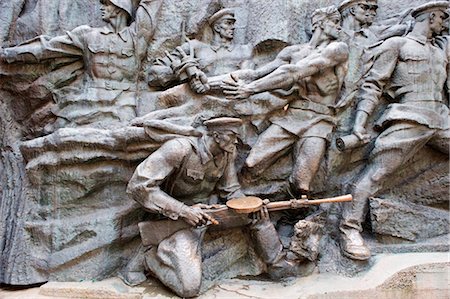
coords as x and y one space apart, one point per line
362 11
432 14
116 8
222 23
224 131
328 20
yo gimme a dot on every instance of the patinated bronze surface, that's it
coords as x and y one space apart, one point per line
192 141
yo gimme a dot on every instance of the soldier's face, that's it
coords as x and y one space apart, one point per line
437 23
225 27
372 15
108 10
226 140
332 27
362 13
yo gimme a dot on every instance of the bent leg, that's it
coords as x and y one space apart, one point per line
308 154
272 144
177 262
392 149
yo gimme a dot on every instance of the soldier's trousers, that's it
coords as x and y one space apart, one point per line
392 149
177 260
275 142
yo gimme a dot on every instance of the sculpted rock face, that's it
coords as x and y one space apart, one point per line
187 104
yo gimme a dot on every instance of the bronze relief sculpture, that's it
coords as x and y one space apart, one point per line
224 177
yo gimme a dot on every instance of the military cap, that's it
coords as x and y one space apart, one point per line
430 7
224 124
349 3
228 12
126 5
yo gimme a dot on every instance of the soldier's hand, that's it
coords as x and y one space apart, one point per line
195 216
199 83
236 89
261 215
361 133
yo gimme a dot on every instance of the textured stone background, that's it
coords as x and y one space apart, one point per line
98 245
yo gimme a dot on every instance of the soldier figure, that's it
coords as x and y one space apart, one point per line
220 57
112 58
315 71
358 16
179 178
412 70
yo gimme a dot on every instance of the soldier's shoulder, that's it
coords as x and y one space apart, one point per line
338 46
338 49
197 44
396 41
83 28
178 147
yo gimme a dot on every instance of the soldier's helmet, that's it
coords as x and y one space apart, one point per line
126 5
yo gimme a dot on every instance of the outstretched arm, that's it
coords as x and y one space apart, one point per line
248 75
287 75
43 47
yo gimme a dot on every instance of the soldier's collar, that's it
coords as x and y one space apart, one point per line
418 38
204 153
217 47
123 34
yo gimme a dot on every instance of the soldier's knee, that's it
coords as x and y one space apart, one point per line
189 285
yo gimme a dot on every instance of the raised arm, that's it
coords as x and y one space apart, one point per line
144 25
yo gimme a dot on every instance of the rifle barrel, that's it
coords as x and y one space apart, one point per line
284 205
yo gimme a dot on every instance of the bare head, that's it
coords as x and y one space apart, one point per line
223 23
328 19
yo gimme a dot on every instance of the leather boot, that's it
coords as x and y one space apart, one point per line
353 246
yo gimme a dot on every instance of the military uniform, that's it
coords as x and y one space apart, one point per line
310 114
183 169
111 65
412 71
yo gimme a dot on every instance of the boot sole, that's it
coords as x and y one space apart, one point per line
354 257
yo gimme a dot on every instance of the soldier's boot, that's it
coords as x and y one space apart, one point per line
270 249
133 274
353 245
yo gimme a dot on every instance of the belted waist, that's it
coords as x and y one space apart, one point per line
309 105
113 85
422 97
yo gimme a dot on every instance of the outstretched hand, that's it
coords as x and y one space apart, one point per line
236 89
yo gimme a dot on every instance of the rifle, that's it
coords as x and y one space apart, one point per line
233 214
